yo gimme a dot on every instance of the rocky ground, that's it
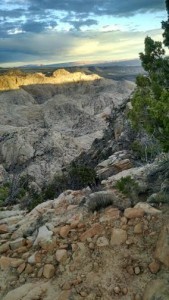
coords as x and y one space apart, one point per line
61 250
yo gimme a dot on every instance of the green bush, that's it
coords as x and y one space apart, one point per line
76 177
4 192
31 200
80 176
128 187
57 186
145 152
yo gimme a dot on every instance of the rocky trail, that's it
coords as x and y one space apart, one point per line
61 250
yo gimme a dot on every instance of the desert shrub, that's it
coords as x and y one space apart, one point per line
145 151
129 187
76 177
31 200
80 176
4 192
57 186
99 200
157 198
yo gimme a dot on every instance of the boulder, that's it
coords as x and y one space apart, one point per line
44 236
162 247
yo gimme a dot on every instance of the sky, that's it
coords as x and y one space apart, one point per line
56 31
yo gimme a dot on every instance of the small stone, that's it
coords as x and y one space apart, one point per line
22 280
96 229
148 209
125 291
44 237
154 267
129 242
118 237
81 225
4 229
7 262
61 255
74 247
21 268
4 248
66 286
123 221
137 270
117 290
102 242
17 243
83 294
21 250
64 231
137 297
74 224
35 258
138 228
26 255
131 213
91 246
28 269
40 273
130 270
48 271
65 295
124 227
63 246
110 214
95 265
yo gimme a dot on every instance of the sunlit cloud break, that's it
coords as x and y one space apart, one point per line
39 31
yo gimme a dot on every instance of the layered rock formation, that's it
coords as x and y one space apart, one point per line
45 122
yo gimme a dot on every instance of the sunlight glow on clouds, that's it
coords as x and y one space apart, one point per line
40 31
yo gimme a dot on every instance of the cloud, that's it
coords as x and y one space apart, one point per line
67 46
63 30
77 24
37 14
99 7
33 26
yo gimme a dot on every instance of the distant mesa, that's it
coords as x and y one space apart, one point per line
60 72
